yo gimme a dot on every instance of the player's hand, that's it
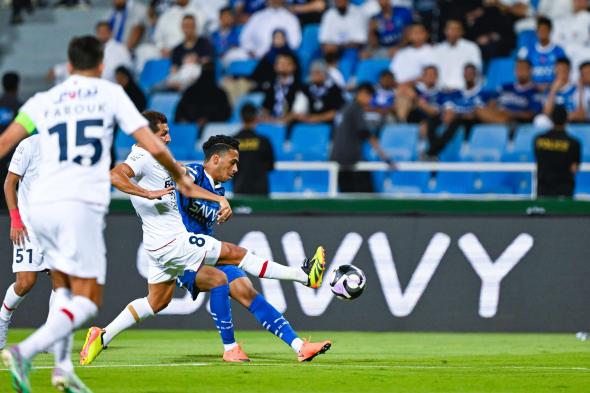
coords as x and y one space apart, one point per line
225 211
186 186
18 236
158 194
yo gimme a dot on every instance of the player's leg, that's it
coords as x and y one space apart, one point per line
310 274
14 296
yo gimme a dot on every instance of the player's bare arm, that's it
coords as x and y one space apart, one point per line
15 133
121 176
18 231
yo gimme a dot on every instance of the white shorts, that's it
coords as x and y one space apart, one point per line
188 251
29 258
70 233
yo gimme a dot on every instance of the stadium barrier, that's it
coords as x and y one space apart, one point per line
426 272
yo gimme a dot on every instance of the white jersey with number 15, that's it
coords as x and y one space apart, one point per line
75 121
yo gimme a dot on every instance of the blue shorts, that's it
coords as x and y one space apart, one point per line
232 272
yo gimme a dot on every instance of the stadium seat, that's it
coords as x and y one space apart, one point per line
400 141
123 143
154 72
310 47
520 183
452 151
241 68
369 70
282 181
494 183
526 38
165 103
315 182
309 142
400 183
183 142
453 183
254 98
582 132
500 71
487 143
583 184
219 129
276 134
348 62
521 149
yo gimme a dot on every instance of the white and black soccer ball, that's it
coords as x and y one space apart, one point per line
347 282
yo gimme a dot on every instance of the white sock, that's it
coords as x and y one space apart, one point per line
135 312
62 349
296 344
61 322
229 347
265 268
11 303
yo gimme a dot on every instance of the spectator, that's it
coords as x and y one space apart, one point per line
331 59
561 91
227 37
192 44
343 26
542 55
256 37
323 98
517 102
384 98
18 6
349 136
160 6
124 78
555 9
280 95
211 10
429 100
558 158
168 33
256 156
264 73
127 20
572 33
203 101
246 8
9 101
408 63
582 94
386 31
452 55
115 53
308 11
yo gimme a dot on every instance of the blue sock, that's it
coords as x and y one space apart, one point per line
221 313
272 320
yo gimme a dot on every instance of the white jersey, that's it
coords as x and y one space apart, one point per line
75 121
25 163
161 221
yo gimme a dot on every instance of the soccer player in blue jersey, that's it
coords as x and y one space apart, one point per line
200 217
543 54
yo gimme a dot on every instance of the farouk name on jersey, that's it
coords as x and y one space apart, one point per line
67 109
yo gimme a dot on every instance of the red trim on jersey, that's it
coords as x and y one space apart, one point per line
263 270
68 314
167 244
8 308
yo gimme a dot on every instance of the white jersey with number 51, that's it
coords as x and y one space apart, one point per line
75 121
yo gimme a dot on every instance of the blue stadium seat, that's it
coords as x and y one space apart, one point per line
400 141
521 149
399 183
254 98
452 151
183 142
309 142
582 132
348 62
453 183
519 183
311 182
369 70
526 38
487 143
310 48
282 181
494 183
276 134
123 143
241 68
500 71
219 129
165 103
583 184
154 72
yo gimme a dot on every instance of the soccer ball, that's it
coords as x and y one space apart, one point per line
347 282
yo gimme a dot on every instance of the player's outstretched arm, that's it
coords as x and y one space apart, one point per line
18 231
9 138
121 176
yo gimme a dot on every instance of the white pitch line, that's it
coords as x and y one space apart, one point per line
352 366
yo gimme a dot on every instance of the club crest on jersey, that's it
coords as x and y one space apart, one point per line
81 93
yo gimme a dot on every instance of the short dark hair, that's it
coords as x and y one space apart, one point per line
220 144
456 20
559 115
583 65
525 61
10 81
543 20
103 23
189 16
225 9
430 67
366 87
85 53
386 73
248 112
471 65
155 118
564 60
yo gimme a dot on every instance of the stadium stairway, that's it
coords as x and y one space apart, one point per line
35 46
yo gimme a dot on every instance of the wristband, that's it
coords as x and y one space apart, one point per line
15 221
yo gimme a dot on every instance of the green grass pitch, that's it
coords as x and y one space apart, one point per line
156 361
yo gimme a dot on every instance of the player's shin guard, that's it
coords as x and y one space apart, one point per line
10 303
273 321
61 322
135 312
62 349
265 268
221 314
